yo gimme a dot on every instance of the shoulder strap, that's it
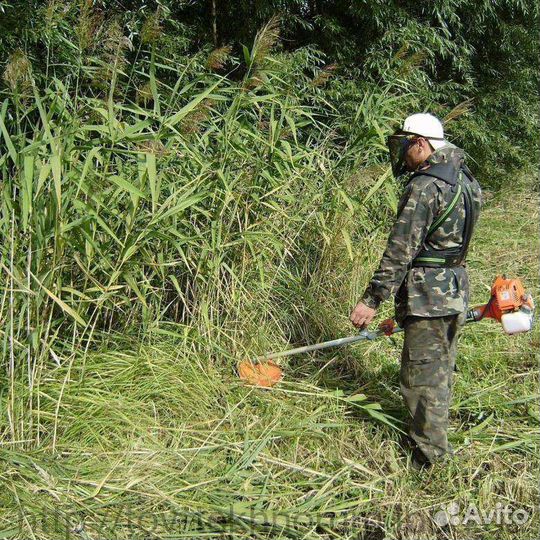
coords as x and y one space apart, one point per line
452 257
447 210
470 216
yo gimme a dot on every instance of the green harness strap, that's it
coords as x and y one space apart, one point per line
441 219
448 209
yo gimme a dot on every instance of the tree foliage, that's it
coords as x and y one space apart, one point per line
485 53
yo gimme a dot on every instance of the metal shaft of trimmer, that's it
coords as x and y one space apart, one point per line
364 334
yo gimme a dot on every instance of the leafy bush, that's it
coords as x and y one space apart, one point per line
447 53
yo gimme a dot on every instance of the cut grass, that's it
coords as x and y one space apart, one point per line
162 440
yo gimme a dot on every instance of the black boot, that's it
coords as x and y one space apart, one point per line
419 461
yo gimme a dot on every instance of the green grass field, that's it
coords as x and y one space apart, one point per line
158 439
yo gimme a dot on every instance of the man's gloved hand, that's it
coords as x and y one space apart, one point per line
362 315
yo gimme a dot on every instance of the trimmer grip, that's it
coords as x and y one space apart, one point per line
476 314
389 327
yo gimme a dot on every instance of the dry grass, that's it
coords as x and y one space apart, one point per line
159 440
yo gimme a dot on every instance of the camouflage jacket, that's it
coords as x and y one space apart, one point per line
423 291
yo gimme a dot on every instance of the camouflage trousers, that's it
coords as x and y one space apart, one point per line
427 367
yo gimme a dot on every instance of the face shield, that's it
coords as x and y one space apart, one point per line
398 145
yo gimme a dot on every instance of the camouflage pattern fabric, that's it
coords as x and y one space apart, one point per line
431 303
427 366
423 291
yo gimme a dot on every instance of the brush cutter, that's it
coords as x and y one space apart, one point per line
509 304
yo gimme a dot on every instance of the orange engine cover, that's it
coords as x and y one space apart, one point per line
507 295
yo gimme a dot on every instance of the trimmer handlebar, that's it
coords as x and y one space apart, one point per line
509 304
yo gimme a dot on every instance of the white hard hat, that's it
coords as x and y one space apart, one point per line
427 126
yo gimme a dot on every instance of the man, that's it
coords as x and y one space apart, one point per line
423 266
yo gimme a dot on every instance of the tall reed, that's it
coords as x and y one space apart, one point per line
206 203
